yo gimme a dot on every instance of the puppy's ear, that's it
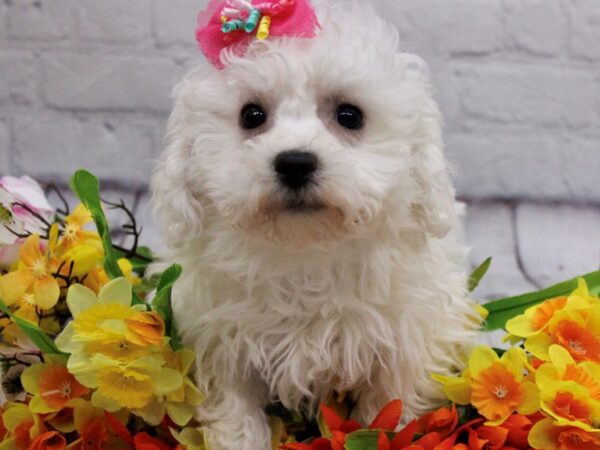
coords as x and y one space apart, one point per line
435 200
436 205
177 209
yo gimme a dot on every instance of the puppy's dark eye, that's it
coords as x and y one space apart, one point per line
252 116
349 116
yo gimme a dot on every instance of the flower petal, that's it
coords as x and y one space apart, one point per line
538 345
80 298
46 292
531 399
116 291
14 284
457 389
481 358
389 416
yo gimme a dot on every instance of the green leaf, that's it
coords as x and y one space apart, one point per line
478 274
162 302
504 309
87 188
37 336
364 439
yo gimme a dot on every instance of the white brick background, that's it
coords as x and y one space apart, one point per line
87 83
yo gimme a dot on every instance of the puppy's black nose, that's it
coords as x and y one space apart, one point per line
295 168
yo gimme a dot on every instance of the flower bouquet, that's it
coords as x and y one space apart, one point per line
91 360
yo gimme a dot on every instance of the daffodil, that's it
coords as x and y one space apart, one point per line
570 392
74 232
51 385
34 275
550 435
578 331
537 318
22 425
494 385
99 323
182 403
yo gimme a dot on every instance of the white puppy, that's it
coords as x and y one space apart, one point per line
305 192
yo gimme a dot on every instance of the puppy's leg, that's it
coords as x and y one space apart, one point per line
235 419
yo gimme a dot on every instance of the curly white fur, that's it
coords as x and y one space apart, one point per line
365 295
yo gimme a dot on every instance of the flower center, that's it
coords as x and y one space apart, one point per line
70 232
576 346
500 391
29 299
64 390
38 268
6 216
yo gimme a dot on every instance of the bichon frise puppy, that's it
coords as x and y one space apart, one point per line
305 192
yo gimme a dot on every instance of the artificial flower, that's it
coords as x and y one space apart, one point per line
21 200
51 385
550 435
34 275
494 385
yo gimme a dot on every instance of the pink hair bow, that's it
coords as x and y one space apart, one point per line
235 24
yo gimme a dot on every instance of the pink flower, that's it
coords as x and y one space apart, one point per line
291 18
14 193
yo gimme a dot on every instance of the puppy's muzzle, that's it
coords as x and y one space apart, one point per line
295 169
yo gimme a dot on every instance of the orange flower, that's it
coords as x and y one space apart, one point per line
34 276
545 311
444 421
93 436
578 340
567 406
547 435
145 328
58 386
52 440
495 392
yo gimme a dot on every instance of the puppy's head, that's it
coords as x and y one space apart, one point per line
303 141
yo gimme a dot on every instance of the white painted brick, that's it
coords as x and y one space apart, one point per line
585 28
535 26
41 19
558 242
534 166
175 21
109 82
151 235
467 27
52 148
115 21
490 233
18 83
529 94
5 167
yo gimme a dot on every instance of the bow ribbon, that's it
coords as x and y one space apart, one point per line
235 24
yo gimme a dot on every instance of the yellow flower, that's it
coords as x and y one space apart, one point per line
51 385
537 318
578 331
549 435
103 324
73 232
145 328
181 403
34 276
494 385
570 392
97 277
22 426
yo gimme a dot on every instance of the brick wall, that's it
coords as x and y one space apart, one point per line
87 83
